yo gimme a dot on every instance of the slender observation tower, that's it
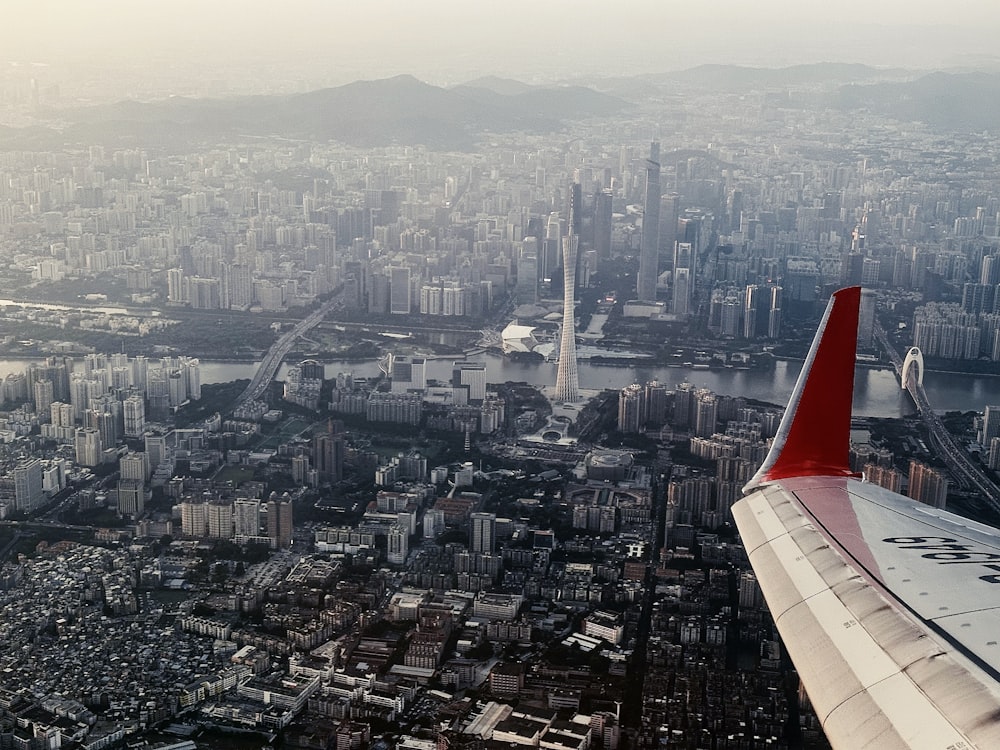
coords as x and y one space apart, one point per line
567 379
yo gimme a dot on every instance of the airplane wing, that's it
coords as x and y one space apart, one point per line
889 609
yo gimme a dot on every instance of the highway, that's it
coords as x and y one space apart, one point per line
965 471
279 350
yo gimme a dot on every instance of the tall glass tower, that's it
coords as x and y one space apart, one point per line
567 378
649 247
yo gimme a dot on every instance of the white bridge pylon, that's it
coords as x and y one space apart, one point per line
914 360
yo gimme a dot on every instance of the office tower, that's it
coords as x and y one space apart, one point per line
482 532
774 317
88 446
134 410
549 259
407 373
279 521
527 272
28 493
683 278
927 485
398 544
470 376
567 377
649 248
670 205
681 303
131 497
762 311
399 291
603 223
135 465
246 518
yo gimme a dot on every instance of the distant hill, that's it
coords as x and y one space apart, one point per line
365 113
739 77
503 86
952 101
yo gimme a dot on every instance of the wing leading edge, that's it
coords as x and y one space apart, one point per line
889 609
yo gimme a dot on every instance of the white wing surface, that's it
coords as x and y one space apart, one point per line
890 609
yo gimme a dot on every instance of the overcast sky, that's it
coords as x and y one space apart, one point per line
305 43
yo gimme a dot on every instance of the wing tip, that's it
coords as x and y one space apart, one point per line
814 436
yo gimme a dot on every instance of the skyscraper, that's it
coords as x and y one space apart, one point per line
279 521
603 223
567 378
482 534
649 249
527 272
28 494
398 544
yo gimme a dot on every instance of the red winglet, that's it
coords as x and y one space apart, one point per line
815 432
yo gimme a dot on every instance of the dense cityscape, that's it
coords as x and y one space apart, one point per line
371 542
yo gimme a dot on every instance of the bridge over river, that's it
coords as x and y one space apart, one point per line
965 471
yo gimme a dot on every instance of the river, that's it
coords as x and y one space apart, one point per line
876 391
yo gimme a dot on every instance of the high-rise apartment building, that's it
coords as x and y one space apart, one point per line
279 521
134 412
246 518
927 485
28 493
398 544
631 408
482 532
88 446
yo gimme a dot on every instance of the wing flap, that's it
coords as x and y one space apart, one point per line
872 673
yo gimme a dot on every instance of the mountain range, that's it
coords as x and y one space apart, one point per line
407 111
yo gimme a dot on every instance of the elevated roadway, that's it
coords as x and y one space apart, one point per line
279 350
966 472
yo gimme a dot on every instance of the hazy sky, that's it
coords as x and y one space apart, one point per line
191 44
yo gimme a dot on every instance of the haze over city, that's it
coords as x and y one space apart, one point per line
119 49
